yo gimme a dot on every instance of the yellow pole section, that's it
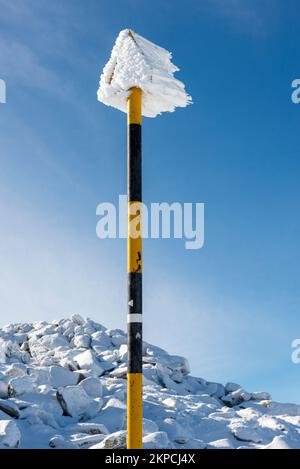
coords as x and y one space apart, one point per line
134 106
134 262
134 410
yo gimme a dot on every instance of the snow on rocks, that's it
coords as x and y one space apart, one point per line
59 442
157 440
77 319
3 389
231 387
119 339
116 440
149 427
261 396
82 340
89 428
236 397
21 385
87 360
9 407
76 402
281 442
92 386
16 369
10 435
243 432
59 376
170 402
137 62
224 443
63 385
83 440
122 356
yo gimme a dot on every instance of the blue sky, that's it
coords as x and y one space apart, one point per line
232 307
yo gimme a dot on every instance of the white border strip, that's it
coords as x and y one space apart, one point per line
134 318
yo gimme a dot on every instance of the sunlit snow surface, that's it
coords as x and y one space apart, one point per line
63 385
137 62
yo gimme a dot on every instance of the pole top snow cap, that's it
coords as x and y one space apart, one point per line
137 62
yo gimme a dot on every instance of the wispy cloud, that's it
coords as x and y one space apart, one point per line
254 17
36 46
21 65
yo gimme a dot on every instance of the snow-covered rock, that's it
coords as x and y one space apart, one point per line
115 440
9 407
59 442
236 397
52 341
149 427
118 339
87 360
76 402
261 396
231 387
89 428
21 385
82 340
72 394
3 389
224 443
59 376
279 442
170 402
245 433
123 352
10 435
157 440
92 386
15 370
77 319
84 440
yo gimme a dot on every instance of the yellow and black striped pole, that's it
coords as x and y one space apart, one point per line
134 253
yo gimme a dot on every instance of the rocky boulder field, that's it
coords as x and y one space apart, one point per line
63 385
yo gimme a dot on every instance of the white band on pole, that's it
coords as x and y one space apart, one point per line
134 318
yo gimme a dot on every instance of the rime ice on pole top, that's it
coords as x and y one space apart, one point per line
137 62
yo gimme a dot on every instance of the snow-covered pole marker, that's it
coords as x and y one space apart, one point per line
138 79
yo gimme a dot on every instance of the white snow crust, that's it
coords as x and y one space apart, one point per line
137 62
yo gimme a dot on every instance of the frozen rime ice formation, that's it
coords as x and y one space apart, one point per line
63 385
137 62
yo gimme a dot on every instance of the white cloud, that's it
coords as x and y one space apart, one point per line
21 65
255 17
38 41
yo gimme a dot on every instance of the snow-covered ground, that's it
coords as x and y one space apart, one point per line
63 385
